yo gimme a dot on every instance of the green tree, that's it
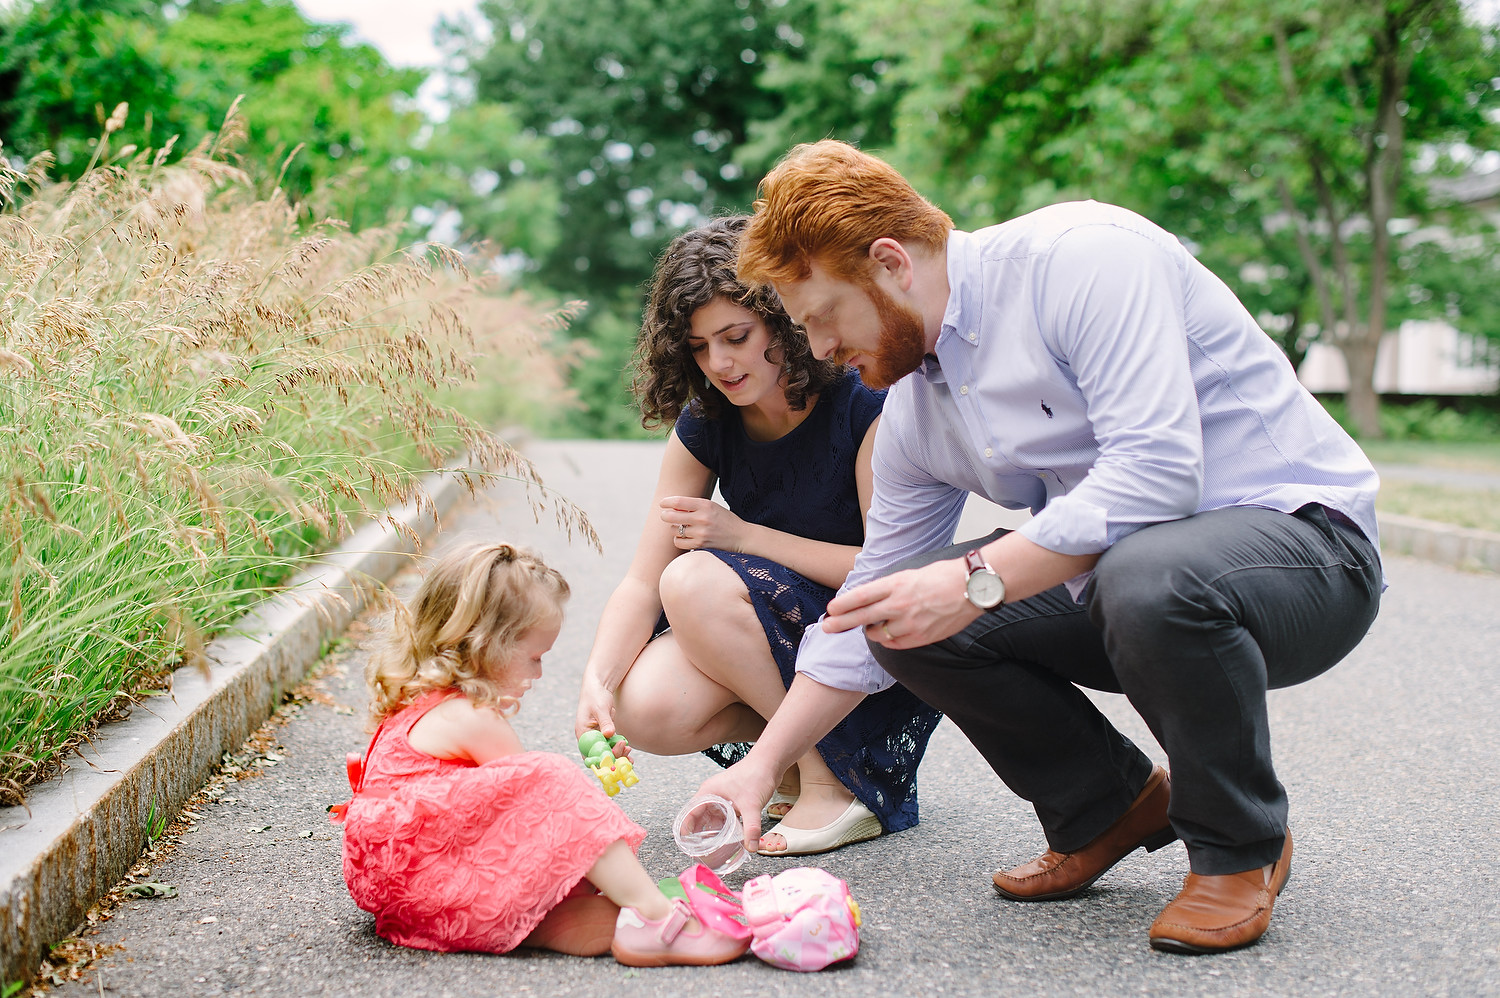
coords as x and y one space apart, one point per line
1316 126
305 84
646 109
484 167
827 88
1277 136
66 64
644 105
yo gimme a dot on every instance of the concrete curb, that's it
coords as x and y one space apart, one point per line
82 831
1460 547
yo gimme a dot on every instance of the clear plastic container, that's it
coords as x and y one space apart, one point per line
709 832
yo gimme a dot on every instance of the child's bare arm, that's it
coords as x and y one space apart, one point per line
485 735
456 729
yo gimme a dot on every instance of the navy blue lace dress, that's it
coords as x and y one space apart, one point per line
804 484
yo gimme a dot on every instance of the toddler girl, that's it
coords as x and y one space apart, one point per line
456 837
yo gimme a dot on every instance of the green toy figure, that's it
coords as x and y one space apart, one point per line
598 752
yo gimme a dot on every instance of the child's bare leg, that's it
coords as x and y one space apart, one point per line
670 935
580 925
625 882
583 924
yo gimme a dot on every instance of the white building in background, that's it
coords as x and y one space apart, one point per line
1421 358
1425 357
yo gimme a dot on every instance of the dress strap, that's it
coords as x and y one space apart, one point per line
354 762
413 712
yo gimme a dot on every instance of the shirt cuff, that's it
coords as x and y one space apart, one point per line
842 661
1069 525
1077 584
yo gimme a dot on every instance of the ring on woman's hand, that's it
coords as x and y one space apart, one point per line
887 630
682 530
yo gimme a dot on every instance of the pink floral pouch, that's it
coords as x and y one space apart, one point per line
801 919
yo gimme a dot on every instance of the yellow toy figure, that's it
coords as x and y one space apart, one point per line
615 774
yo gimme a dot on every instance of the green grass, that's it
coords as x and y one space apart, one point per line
1477 508
1463 505
1471 420
1479 456
1462 439
199 390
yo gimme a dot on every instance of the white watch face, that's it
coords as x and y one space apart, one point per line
986 590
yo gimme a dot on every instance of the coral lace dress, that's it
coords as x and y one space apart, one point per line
451 856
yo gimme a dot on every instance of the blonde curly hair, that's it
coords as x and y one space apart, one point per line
473 608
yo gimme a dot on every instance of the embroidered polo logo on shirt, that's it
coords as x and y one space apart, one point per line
1045 409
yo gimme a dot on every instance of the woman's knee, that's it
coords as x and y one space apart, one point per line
645 712
666 706
650 724
668 726
698 582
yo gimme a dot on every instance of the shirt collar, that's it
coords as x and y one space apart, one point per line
961 316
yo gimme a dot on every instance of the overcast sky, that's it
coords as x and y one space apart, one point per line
400 29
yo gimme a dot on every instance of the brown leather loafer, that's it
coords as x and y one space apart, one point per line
1056 875
1214 914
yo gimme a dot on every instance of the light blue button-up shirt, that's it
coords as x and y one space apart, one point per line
1089 369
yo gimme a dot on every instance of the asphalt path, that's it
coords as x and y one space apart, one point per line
1391 759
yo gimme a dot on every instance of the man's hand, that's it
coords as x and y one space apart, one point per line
908 609
748 787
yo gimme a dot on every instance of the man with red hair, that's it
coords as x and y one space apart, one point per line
1202 530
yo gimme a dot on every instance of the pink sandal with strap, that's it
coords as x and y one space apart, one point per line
721 936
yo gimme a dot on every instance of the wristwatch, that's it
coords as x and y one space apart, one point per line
984 588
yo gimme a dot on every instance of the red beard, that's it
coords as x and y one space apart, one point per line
903 340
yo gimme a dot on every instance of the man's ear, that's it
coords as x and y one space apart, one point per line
889 255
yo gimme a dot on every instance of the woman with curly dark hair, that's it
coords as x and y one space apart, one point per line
697 645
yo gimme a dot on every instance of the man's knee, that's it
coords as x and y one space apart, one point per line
915 668
1136 576
1148 597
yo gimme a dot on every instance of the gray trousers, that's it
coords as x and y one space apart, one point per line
1193 620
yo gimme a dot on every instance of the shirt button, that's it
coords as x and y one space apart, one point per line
973 336
963 390
989 452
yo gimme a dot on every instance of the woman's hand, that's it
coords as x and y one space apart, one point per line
702 523
596 709
747 786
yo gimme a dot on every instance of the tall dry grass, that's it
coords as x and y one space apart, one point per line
197 392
